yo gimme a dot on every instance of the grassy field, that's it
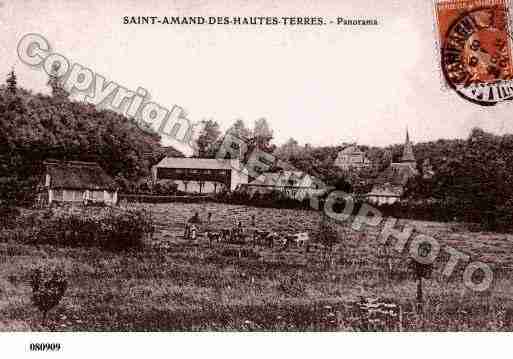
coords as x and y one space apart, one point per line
173 284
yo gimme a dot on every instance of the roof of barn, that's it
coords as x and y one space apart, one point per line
281 178
199 163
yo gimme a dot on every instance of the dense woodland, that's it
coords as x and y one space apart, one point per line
35 127
474 171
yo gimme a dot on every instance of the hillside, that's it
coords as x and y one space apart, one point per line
34 127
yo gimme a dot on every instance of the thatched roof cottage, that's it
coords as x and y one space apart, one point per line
76 182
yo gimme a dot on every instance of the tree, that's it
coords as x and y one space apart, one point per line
386 159
239 129
48 288
328 236
55 83
262 134
11 82
207 140
289 150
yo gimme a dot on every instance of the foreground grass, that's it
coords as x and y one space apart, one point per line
172 284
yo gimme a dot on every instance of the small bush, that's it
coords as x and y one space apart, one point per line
48 287
8 216
293 285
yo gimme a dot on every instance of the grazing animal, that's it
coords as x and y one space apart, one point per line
270 238
288 238
259 236
236 234
301 239
239 230
214 236
225 234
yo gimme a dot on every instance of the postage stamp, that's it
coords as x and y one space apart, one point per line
476 50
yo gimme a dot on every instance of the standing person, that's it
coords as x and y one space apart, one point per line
209 217
194 231
187 230
240 229
195 218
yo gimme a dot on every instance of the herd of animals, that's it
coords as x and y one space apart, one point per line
195 230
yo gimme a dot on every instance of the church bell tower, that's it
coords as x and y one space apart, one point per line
408 156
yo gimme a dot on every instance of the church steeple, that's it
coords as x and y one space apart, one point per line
408 155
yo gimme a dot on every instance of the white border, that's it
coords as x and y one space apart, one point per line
260 345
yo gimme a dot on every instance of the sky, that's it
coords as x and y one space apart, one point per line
322 85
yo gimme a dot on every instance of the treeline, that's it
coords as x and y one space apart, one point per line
475 174
319 160
271 199
462 179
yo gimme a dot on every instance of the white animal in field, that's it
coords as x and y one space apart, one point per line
301 239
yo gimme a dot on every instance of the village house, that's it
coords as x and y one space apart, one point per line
390 184
294 184
76 182
201 175
352 157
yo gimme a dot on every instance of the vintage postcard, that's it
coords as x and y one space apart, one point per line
264 166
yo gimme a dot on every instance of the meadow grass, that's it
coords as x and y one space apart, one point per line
171 284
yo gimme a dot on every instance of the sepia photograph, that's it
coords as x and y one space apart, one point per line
241 168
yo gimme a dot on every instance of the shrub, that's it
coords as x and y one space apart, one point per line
293 285
8 216
327 234
127 229
48 287
108 228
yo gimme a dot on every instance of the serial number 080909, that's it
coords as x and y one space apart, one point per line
45 347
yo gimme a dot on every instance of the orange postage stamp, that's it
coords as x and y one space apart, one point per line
476 57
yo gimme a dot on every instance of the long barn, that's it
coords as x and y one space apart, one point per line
202 175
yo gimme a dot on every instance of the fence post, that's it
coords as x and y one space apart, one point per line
419 295
400 318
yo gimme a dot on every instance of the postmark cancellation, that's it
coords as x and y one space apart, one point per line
475 49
